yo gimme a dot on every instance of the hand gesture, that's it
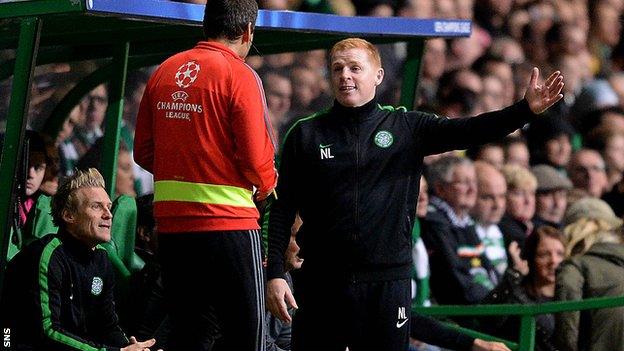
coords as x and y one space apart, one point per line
518 263
139 345
482 345
541 97
278 295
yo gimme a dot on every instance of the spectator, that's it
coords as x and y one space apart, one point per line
593 268
488 211
25 211
49 185
551 197
530 280
49 306
491 153
493 93
94 105
461 273
306 92
610 144
517 222
587 172
516 151
278 96
433 65
550 141
68 153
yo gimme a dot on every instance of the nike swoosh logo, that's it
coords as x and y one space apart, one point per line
400 324
324 146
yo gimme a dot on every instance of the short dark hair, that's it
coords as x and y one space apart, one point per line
229 18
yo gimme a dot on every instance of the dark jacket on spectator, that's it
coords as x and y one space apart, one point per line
460 271
511 291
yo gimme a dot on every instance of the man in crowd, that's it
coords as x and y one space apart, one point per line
460 270
352 174
588 173
488 211
551 196
202 131
59 290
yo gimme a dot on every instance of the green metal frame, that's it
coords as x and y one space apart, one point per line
527 314
113 116
30 31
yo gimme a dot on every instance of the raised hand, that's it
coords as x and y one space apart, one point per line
541 96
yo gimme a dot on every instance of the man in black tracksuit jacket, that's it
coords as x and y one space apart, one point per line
352 173
58 291
73 310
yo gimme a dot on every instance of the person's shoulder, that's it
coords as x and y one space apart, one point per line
311 121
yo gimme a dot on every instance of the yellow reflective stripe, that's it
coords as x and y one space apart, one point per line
172 190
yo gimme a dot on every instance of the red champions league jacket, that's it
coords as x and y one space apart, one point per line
203 131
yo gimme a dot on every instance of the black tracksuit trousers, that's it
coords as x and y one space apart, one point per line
214 290
363 316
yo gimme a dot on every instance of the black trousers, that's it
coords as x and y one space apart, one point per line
363 316
214 290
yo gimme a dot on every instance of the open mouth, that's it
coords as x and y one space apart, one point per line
347 88
107 226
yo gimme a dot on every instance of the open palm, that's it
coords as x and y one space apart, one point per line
541 96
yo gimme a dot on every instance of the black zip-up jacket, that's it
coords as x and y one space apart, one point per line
58 295
353 176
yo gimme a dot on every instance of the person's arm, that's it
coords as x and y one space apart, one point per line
569 287
433 332
281 216
144 136
51 277
252 131
443 134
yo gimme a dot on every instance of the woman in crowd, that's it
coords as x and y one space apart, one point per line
531 279
517 223
594 268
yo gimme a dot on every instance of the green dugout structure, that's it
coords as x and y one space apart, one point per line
131 34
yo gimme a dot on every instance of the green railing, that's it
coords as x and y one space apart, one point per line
526 312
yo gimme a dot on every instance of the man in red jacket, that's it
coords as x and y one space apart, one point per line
203 132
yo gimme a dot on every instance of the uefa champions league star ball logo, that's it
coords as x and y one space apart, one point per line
383 139
187 74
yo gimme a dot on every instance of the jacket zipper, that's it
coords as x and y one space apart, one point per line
357 179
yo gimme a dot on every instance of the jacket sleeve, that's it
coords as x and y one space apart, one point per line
51 278
438 134
283 209
433 332
144 136
252 131
569 287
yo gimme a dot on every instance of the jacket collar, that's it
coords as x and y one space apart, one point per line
216 46
359 113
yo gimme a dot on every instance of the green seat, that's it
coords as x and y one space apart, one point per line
38 224
121 247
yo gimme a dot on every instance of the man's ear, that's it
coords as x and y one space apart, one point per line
379 77
248 34
67 216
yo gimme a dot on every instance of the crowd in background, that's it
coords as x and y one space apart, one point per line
493 218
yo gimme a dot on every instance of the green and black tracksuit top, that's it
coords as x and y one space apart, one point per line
353 176
58 295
